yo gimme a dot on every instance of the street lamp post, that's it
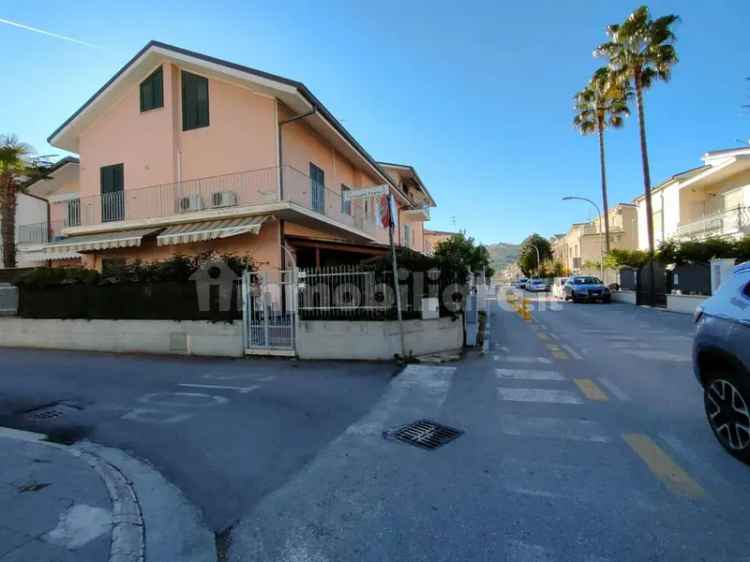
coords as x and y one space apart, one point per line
601 240
538 259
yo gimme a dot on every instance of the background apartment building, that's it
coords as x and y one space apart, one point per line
584 242
710 200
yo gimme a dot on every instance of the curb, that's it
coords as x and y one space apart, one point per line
128 531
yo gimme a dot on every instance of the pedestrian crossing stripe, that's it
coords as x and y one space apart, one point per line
538 395
529 374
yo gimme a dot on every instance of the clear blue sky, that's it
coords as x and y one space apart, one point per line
477 96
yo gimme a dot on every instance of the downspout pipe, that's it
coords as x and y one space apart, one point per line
313 111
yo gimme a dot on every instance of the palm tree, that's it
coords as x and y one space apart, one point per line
641 51
602 103
17 168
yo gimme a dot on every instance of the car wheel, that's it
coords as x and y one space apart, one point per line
727 403
607 300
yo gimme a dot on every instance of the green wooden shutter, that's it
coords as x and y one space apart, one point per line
194 101
152 91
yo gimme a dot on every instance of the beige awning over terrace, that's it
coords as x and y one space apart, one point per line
210 230
103 241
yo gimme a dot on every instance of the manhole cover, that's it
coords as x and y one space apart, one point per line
50 411
425 434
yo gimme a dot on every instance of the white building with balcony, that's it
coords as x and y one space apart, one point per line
710 200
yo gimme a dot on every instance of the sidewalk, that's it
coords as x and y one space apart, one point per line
54 505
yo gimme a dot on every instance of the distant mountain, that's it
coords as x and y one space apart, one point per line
502 254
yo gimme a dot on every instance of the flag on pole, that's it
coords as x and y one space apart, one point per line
386 218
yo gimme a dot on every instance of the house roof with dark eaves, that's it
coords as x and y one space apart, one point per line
293 93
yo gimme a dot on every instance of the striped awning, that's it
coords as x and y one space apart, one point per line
103 241
45 254
210 230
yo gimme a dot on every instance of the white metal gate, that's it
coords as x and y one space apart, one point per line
269 307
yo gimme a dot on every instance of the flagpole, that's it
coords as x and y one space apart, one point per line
391 223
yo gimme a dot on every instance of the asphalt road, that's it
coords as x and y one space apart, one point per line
584 440
226 432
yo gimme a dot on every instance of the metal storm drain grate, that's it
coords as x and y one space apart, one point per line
50 411
425 434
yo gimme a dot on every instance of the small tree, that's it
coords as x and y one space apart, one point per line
528 259
625 258
462 249
17 168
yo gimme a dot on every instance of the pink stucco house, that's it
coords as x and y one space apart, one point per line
182 152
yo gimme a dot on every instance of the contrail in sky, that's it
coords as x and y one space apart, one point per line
49 33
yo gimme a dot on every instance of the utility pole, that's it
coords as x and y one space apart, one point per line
391 224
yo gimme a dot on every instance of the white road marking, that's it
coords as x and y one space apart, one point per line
187 399
554 336
517 551
657 355
554 428
240 389
154 415
617 337
529 492
573 352
519 359
538 395
614 389
529 374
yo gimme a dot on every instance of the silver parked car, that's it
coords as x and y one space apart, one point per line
585 288
721 361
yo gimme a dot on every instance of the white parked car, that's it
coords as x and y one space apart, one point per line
557 287
537 286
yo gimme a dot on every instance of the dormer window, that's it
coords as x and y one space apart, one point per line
152 91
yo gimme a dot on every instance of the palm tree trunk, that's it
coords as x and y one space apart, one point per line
646 187
603 167
8 220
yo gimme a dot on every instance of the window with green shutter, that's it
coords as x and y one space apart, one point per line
112 185
194 101
152 91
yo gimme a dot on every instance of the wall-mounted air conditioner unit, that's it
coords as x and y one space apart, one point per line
189 203
223 199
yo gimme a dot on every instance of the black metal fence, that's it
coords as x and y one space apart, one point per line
690 279
162 301
357 293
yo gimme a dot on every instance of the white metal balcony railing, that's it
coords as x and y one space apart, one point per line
595 229
728 221
242 189
38 233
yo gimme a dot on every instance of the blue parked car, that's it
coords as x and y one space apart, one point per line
721 361
585 288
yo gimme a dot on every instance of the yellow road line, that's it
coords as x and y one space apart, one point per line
591 390
663 467
553 347
560 355
542 336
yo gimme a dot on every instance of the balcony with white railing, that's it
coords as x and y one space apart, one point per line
229 195
722 223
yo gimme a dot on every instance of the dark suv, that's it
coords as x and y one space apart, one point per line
721 360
